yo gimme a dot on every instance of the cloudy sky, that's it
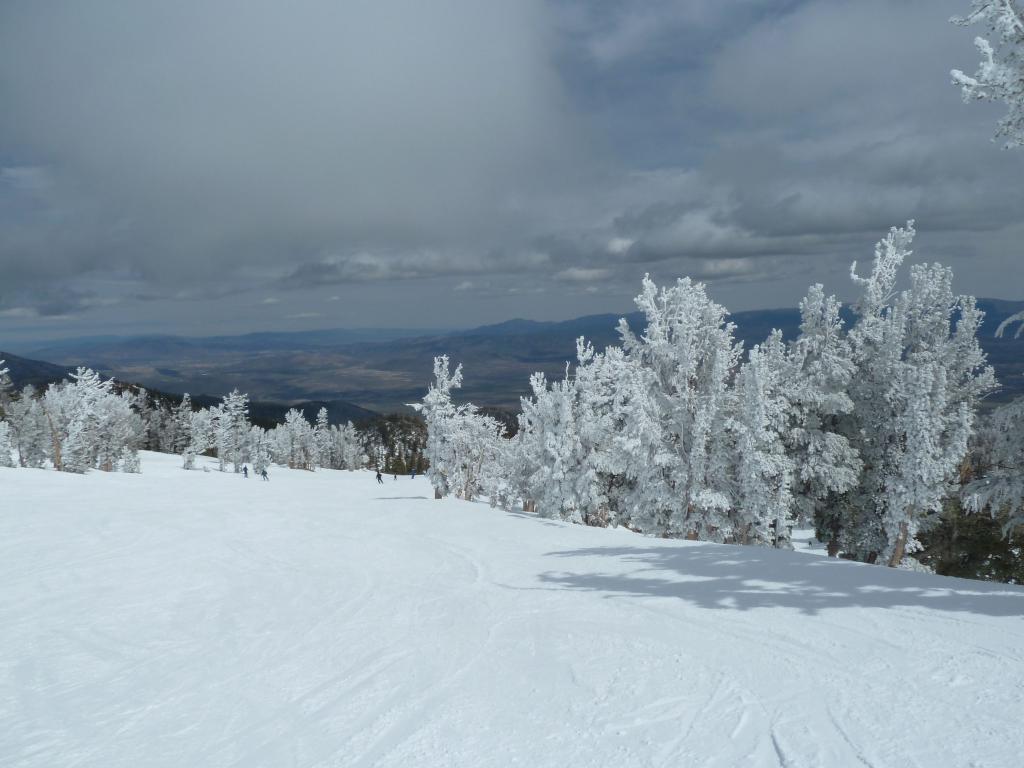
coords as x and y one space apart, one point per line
205 167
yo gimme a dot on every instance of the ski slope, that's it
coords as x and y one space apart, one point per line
201 619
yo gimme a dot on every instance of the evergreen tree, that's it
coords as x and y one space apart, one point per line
5 387
1000 75
689 351
918 379
322 439
816 383
28 428
6 446
765 470
998 484
232 430
440 414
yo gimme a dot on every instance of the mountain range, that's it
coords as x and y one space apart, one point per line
383 369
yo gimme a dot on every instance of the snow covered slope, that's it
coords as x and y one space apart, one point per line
200 619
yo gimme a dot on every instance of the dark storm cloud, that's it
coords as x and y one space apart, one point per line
190 141
191 152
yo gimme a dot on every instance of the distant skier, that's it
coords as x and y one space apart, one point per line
245 472
396 475
379 478
263 474
414 474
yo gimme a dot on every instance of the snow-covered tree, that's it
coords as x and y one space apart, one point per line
119 432
182 429
295 441
917 382
202 431
440 414
6 442
461 442
347 447
30 434
322 439
89 424
5 387
1000 74
764 469
232 430
550 449
820 368
689 350
998 486
500 475
259 449
6 445
475 446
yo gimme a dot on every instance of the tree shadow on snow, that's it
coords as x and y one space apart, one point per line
742 578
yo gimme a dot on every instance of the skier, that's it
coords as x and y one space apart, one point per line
245 472
414 473
379 478
263 474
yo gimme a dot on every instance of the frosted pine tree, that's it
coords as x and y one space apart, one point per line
764 469
130 461
6 445
201 430
916 386
5 387
998 486
817 383
28 428
349 448
689 349
600 475
461 442
232 430
322 439
550 449
501 474
259 449
73 410
620 434
119 432
440 413
183 424
475 445
1000 74
295 441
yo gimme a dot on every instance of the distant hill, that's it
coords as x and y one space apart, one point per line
35 372
267 414
24 371
384 374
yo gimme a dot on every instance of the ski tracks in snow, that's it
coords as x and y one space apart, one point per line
199 619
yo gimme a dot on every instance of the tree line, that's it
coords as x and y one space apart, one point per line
862 430
87 422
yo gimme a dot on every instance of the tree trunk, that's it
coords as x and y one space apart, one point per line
901 545
437 494
833 548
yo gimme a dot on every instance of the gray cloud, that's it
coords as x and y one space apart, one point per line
193 154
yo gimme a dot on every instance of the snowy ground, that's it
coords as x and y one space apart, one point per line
199 619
